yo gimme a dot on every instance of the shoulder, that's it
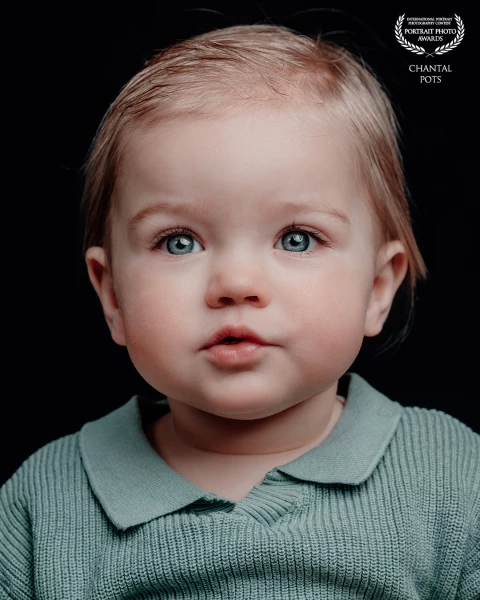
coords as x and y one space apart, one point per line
34 495
45 469
444 455
440 449
448 433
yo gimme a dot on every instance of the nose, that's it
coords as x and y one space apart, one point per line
238 284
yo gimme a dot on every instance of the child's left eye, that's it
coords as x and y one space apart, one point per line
177 240
297 234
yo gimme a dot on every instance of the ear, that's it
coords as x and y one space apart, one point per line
101 279
392 267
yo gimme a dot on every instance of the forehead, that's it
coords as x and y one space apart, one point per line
252 156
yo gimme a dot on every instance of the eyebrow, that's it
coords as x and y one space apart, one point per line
202 209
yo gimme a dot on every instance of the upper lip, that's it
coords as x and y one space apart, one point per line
239 331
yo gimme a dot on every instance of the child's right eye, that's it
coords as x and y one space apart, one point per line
178 240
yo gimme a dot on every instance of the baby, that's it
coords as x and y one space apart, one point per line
247 227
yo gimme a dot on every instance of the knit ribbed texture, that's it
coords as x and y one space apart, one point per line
411 530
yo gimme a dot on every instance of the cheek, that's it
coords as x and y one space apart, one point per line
330 314
155 313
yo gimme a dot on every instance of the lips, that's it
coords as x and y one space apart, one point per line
240 332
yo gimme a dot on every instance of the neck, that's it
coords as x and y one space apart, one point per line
287 433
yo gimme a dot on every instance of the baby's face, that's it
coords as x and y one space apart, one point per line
233 185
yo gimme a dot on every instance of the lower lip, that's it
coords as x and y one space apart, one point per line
236 354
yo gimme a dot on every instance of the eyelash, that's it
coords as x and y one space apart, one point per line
293 227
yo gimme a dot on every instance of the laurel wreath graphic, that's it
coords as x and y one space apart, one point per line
420 49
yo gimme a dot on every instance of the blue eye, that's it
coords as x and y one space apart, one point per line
178 244
180 240
298 240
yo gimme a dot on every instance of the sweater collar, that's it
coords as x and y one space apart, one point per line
135 485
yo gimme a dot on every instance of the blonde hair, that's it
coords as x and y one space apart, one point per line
230 68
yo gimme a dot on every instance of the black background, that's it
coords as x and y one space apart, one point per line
63 366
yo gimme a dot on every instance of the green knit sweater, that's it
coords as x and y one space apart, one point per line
386 507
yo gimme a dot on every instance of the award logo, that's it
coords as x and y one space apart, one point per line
429 29
430 37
